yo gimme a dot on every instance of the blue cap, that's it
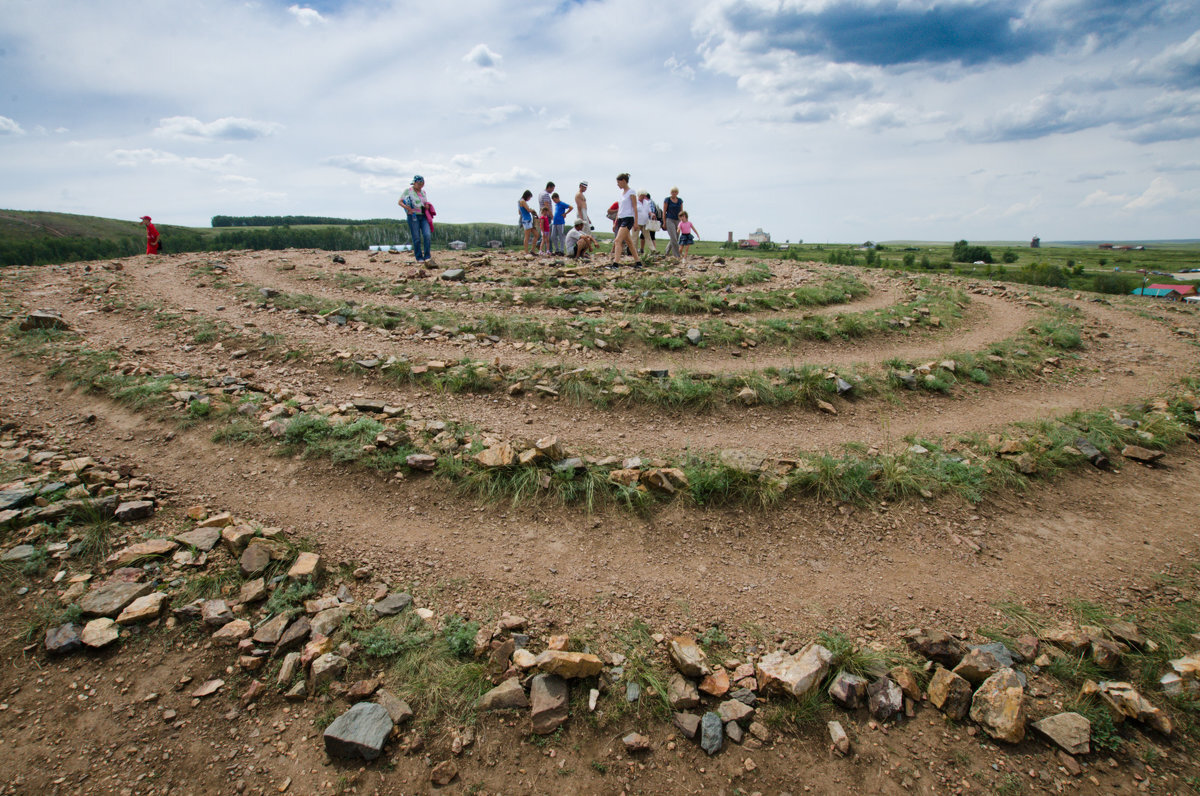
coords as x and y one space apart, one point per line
418 178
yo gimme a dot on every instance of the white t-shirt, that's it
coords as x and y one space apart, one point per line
625 205
643 212
544 200
573 238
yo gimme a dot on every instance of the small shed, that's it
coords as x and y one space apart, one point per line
1183 290
458 245
1170 294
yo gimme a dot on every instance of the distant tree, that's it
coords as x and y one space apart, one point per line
964 252
1009 256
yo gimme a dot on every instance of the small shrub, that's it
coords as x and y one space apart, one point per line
460 635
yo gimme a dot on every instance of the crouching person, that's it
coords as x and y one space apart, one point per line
579 243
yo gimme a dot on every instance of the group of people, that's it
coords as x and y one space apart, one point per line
634 215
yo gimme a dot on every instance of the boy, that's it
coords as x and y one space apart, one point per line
559 231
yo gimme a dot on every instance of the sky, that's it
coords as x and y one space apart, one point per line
816 120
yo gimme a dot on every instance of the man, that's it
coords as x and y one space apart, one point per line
151 236
579 243
581 207
545 203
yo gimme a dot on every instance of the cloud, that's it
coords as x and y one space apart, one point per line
482 57
513 178
366 164
226 129
10 127
561 123
495 115
306 16
1102 198
140 157
473 159
679 68
1044 115
1161 190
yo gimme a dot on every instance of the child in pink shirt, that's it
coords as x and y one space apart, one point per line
687 233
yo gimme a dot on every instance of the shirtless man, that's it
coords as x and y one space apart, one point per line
581 208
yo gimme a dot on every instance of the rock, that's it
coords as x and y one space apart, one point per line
359 732
396 707
1128 633
936 645
269 632
208 688
295 635
826 407
979 664
688 723
999 706
884 698
443 773
734 710
733 731
635 742
1093 454
326 669
287 670
100 633
848 690
252 591
1140 454
1069 639
63 639
747 396
362 689
146 608
682 693
393 604
328 621
506 696
687 656
569 665
22 552
838 737
255 558
43 319
694 336
231 633
215 613
950 693
908 682
134 510
1107 654
717 683
1072 732
712 733
153 548
308 565
111 598
453 275
1125 702
236 537
421 461
548 694
794 674
501 455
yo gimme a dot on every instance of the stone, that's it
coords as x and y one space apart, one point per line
308 565
796 674
734 710
396 707
443 773
1072 732
712 733
326 669
134 510
1107 654
1069 639
1128 633
153 548
421 461
688 723
43 319
99 633
269 632
501 455
838 737
146 608
717 683
548 694
936 645
236 538
111 598
287 670
203 539
682 693
328 621
63 639
733 731
295 635
848 690
362 689
884 698
393 604
509 695
950 693
1126 702
252 591
231 633
453 275
979 664
215 613
636 742
908 682
1140 454
569 665
687 656
220 520
359 732
22 552
255 558
999 706
208 688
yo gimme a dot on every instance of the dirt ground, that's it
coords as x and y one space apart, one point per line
94 724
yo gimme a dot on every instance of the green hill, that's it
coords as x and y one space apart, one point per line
25 224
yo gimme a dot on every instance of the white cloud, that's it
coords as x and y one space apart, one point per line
496 114
10 127
1102 198
472 160
155 157
482 57
1160 190
561 123
226 129
305 16
679 68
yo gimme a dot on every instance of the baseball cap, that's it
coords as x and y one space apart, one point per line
145 218
583 184
418 178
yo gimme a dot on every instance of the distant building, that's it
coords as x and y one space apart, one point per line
1183 290
1106 246
458 245
1170 294
495 244
760 236
1036 243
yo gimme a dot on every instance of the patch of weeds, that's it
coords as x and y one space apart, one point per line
795 715
209 585
290 596
460 635
36 564
713 639
599 768
1104 731
46 614
1010 785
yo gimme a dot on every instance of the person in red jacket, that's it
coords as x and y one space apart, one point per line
151 236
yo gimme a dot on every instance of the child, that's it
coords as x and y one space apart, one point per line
544 220
559 234
687 233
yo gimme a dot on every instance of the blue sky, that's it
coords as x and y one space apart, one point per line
821 120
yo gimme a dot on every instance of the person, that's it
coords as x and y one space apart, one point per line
626 225
528 219
544 220
578 241
671 207
152 239
417 208
645 214
687 233
558 229
581 210
544 200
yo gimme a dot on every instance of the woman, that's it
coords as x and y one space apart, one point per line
645 214
529 221
671 207
416 206
627 221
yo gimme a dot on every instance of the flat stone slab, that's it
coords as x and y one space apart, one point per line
203 539
100 633
1072 732
359 732
393 604
111 598
134 510
146 608
151 548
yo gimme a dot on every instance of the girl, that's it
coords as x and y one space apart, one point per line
527 221
626 223
687 233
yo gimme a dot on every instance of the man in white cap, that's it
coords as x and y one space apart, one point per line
579 242
581 212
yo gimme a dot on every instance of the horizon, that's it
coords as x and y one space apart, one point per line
813 119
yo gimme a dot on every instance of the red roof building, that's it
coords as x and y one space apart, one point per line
1183 290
